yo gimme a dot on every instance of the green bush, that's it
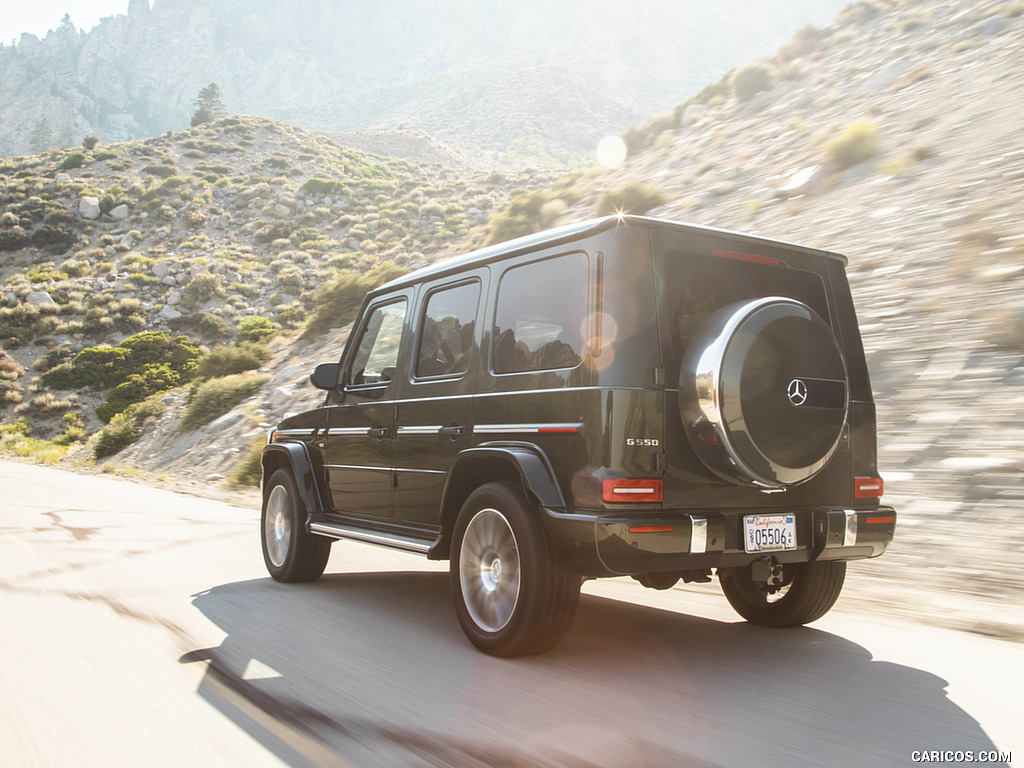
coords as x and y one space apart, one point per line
61 376
10 372
13 238
751 80
639 137
73 432
162 171
152 380
525 214
248 472
55 239
232 359
90 142
74 160
336 303
202 288
859 142
323 188
20 324
255 328
212 399
142 365
206 324
124 428
276 231
632 198
858 13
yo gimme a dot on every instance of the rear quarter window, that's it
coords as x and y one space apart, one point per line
540 315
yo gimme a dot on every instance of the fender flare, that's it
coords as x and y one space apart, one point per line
530 466
296 456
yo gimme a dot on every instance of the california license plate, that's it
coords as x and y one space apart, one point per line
769 533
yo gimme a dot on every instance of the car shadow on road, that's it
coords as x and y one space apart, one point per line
370 669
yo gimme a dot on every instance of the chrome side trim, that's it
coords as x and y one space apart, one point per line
519 429
850 530
341 431
698 535
293 432
371 537
426 430
358 466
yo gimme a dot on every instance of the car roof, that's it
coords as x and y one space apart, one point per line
572 233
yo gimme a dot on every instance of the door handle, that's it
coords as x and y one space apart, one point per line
377 432
456 431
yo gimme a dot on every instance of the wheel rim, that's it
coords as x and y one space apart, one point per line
277 526
489 570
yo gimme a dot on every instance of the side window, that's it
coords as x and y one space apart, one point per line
446 335
377 356
540 316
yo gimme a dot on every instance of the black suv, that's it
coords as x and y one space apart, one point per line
623 396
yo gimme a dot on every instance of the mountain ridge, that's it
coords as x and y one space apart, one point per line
372 66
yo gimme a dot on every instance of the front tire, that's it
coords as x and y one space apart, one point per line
806 593
513 596
290 553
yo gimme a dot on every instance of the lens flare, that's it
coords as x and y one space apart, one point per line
611 151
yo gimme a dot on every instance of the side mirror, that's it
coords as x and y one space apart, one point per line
325 376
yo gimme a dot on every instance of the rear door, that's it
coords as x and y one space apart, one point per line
435 417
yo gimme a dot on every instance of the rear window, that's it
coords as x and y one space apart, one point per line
542 307
695 285
446 334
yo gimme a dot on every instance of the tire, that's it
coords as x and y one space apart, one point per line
291 553
764 394
808 591
513 596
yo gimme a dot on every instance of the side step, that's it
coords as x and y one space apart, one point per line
390 540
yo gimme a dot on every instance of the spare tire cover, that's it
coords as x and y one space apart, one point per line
763 393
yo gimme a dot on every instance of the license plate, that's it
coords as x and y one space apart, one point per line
769 533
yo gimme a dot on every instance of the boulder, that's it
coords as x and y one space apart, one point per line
884 78
992 26
89 207
120 212
803 182
40 298
162 269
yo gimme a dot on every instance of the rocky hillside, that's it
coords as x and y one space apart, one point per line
193 233
473 74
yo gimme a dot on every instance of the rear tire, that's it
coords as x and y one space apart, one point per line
291 553
513 596
809 590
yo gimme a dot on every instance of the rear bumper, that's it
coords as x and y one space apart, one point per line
645 541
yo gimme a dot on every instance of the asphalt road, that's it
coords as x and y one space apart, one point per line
138 627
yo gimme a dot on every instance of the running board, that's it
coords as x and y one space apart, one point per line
391 540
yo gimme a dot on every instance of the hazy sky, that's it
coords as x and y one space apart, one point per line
38 16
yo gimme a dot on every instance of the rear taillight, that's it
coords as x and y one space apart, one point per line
868 487
631 490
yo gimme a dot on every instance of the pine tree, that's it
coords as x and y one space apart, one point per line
209 105
41 138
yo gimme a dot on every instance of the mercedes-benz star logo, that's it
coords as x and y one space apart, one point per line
797 392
